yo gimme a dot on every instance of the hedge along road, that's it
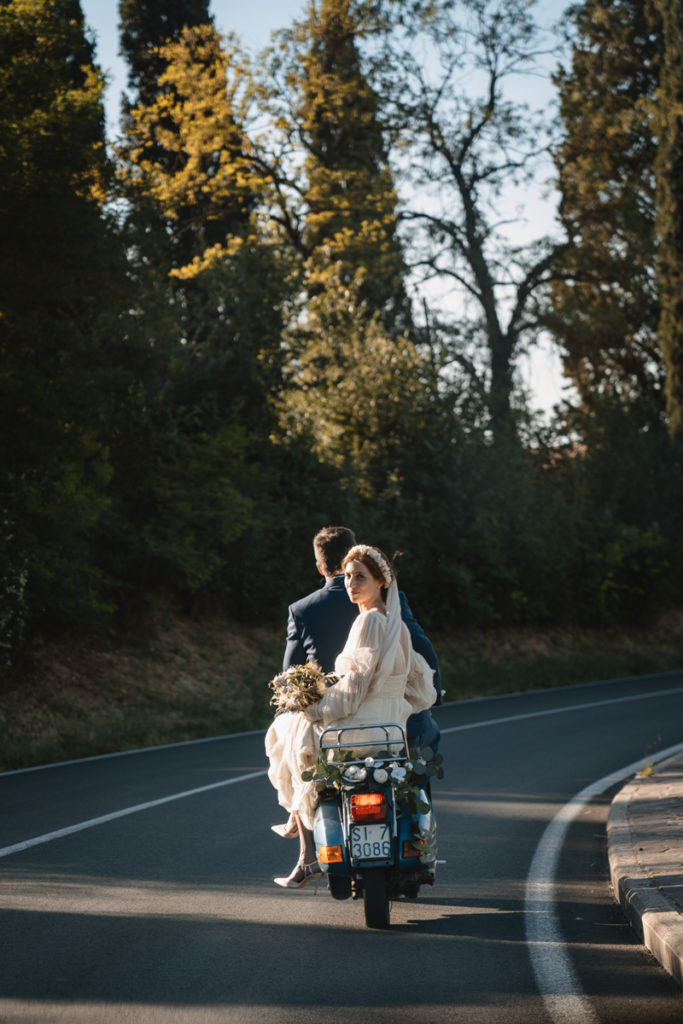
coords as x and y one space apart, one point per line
139 886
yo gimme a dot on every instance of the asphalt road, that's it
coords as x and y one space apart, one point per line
139 887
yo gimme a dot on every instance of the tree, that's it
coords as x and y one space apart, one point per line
195 186
366 403
61 285
337 196
606 306
184 156
145 27
669 168
198 233
605 302
443 73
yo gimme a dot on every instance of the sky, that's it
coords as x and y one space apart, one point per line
254 21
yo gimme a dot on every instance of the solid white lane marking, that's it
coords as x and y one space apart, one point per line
81 826
562 710
93 822
130 753
457 728
555 976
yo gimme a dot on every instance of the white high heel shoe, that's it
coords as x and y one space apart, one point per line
286 830
301 876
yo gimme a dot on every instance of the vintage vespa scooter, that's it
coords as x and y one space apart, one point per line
374 828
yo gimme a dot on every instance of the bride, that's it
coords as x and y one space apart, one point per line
382 679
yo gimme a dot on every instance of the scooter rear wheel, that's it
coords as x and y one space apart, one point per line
339 886
376 898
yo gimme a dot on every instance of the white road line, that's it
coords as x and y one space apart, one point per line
457 728
81 826
130 753
93 822
555 977
562 710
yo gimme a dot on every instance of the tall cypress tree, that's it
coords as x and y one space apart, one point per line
605 295
195 190
194 200
185 160
669 167
61 276
146 25
147 28
349 198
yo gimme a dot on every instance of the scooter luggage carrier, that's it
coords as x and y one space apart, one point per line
388 739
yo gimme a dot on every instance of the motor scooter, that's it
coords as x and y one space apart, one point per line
374 826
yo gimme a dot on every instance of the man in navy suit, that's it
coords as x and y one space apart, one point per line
318 625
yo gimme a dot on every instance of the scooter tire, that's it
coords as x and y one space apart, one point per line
376 898
339 886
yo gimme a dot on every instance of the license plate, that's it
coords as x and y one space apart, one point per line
371 842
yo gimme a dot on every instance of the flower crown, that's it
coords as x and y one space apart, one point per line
377 557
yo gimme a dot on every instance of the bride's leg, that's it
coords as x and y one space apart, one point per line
307 866
306 844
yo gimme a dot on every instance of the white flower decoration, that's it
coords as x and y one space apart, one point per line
376 556
380 775
369 762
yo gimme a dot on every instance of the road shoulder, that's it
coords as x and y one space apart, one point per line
645 849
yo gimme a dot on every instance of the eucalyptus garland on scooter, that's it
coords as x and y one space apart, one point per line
409 781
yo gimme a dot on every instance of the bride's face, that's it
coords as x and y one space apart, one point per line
362 587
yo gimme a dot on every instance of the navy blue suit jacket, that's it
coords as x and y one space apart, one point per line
317 628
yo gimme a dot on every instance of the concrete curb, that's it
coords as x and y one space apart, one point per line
650 912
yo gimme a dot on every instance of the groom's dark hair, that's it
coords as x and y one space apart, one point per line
330 546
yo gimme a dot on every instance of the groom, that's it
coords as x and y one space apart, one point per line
318 625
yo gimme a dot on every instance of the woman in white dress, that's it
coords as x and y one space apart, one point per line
382 679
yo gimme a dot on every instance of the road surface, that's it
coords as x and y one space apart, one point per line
138 887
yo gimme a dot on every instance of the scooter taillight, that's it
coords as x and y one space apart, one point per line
368 807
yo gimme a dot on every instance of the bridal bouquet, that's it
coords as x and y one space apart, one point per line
299 686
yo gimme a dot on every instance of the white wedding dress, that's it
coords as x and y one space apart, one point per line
382 679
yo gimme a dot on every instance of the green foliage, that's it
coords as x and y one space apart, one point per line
628 495
186 152
60 277
205 364
221 280
630 577
669 167
146 25
347 199
293 494
605 303
406 777
13 612
367 404
199 492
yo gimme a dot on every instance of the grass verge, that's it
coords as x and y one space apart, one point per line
184 680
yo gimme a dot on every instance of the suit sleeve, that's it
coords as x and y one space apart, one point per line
419 685
295 652
421 643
